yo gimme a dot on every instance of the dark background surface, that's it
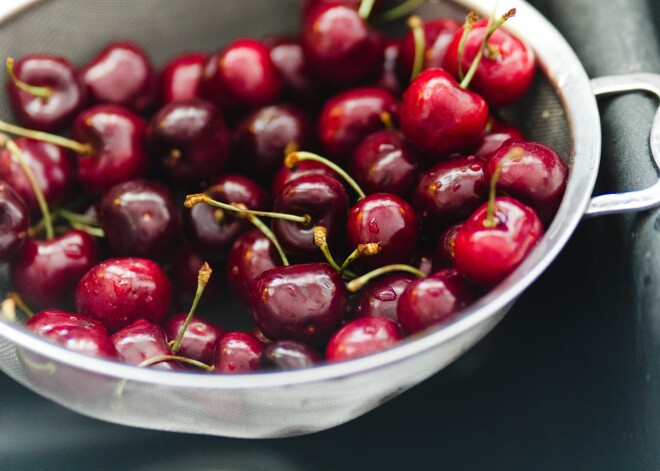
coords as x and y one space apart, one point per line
570 379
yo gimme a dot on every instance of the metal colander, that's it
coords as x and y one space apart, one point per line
561 111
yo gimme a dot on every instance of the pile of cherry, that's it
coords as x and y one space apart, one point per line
349 188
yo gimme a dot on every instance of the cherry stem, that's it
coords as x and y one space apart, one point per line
416 25
364 11
81 222
202 280
78 147
20 303
490 220
371 248
321 241
477 59
34 90
470 20
258 223
401 10
162 358
11 146
386 118
358 283
293 158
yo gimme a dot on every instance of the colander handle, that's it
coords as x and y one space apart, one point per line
632 200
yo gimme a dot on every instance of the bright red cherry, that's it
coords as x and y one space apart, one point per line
380 297
143 340
43 321
181 77
198 341
237 352
14 222
82 340
361 337
288 355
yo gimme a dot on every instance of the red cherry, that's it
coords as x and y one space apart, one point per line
381 296
198 341
309 5
362 337
43 321
305 167
497 132
388 79
80 339
237 352
288 355
14 222
143 340
181 77
443 253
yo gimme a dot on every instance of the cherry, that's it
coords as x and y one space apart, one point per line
183 274
506 71
120 290
237 352
530 172
388 79
288 355
309 5
495 240
46 271
250 256
190 141
59 97
361 337
497 132
212 230
43 321
381 296
181 77
14 222
140 219
350 116
122 74
241 76
143 340
443 253
431 300
390 222
299 302
199 339
384 162
80 339
305 167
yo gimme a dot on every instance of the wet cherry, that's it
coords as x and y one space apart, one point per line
288 355
381 296
361 337
237 352
82 340
143 340
43 321
198 341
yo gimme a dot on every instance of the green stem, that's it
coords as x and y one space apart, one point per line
292 159
20 303
202 281
162 358
34 90
91 230
401 10
78 147
75 217
490 220
419 37
269 234
366 6
470 20
320 240
358 283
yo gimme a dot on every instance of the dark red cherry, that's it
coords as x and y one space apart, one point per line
384 162
241 76
506 69
423 261
261 139
46 272
388 79
305 167
140 341
349 117
198 341
118 138
190 141
443 252
530 172
341 48
122 74
380 297
439 117
181 77
450 191
387 220
299 302
309 5
431 300
487 250
237 352
322 198
120 290
43 321
140 219
82 340
250 256
14 222
361 337
67 94
183 274
497 132
288 355
212 231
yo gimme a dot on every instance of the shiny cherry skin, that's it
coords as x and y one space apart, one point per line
341 48
120 290
43 321
53 167
67 98
486 255
82 340
261 139
122 74
309 5
388 79
387 220
241 76
140 219
306 167
237 352
183 273
532 173
439 117
14 222
198 341
46 272
304 302
384 162
362 337
438 34
497 132
283 355
322 198
381 296
190 140
443 252
212 231
181 77
250 255
118 137
349 117
140 341
506 69
423 261
432 300
450 191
